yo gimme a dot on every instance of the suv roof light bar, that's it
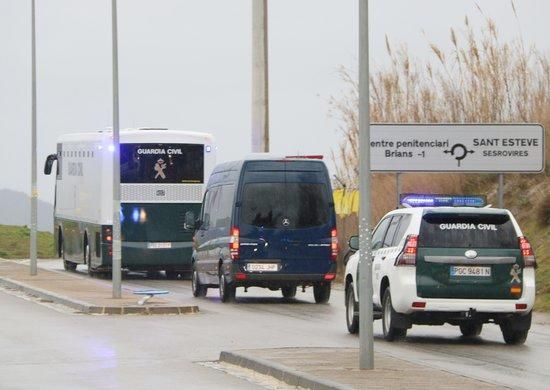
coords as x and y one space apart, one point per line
442 200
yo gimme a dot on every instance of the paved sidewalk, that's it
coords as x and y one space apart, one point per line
338 368
83 293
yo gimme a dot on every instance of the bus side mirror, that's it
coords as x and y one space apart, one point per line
189 223
353 243
49 163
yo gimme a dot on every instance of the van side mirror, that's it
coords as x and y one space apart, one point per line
353 243
189 223
49 163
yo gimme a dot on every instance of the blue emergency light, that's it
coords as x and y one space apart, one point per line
438 200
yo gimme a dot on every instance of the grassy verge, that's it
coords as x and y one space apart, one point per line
15 242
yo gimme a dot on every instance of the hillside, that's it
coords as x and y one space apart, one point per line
15 209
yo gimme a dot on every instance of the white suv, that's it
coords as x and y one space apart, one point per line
464 266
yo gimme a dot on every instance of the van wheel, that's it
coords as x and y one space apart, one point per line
199 290
227 290
391 333
289 291
69 265
352 310
471 328
321 292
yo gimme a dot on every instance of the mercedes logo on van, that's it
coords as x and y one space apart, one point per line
471 254
286 222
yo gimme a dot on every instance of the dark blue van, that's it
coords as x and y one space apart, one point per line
266 223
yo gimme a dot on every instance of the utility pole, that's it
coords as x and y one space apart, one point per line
260 91
34 190
117 258
366 340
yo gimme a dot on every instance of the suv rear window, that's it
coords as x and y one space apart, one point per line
453 230
302 205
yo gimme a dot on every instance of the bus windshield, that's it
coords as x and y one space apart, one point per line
161 163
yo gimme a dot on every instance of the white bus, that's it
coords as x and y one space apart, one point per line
162 175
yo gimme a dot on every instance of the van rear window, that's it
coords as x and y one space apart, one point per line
285 205
451 230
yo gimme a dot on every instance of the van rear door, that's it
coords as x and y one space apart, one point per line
285 216
468 255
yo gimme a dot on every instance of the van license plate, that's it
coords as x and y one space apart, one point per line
262 267
159 245
470 271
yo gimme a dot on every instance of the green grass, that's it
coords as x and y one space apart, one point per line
15 243
540 239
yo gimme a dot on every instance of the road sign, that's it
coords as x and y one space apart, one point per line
457 148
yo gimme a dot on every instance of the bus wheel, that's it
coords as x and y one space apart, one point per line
60 249
88 259
321 292
227 290
69 265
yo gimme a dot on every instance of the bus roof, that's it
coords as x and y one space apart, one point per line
140 135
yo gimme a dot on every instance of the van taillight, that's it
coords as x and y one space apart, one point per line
527 252
408 255
234 243
333 244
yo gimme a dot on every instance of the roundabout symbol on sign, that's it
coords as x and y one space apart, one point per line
459 151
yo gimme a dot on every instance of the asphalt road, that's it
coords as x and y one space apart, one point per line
42 347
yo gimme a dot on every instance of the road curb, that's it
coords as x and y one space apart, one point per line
88 308
280 372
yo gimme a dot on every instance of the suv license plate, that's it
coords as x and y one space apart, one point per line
470 271
159 245
262 267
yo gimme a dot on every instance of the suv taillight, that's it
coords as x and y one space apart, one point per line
333 244
527 252
234 245
408 255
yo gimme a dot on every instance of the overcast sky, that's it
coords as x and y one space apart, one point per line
185 64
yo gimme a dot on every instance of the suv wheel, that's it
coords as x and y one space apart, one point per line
289 291
511 336
352 311
321 292
471 328
198 289
391 333
227 290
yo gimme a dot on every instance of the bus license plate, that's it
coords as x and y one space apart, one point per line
262 267
470 271
159 245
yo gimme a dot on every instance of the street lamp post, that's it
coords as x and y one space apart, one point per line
260 94
117 258
366 340
34 190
